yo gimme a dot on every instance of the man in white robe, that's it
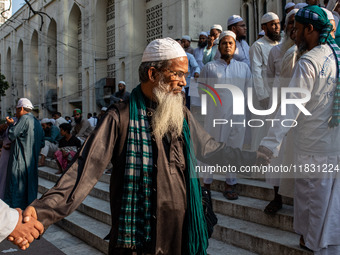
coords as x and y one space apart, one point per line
211 52
259 53
273 74
238 26
198 52
226 70
317 136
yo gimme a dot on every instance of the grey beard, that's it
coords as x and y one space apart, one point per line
168 116
302 49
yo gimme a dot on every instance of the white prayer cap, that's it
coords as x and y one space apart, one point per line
204 33
24 102
289 5
52 121
329 14
163 49
122 82
269 16
234 19
300 5
104 109
292 12
216 26
186 37
227 33
45 120
262 33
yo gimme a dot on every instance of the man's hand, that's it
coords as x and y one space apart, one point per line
26 230
262 159
211 40
9 121
196 75
263 155
264 103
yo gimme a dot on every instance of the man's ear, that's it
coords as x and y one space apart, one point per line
264 27
310 28
233 28
152 74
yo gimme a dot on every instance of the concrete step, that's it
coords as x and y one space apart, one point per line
251 209
93 207
67 243
101 190
51 163
87 229
220 248
256 237
250 188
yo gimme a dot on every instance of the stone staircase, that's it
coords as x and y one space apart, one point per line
242 229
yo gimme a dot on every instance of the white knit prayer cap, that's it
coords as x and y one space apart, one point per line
289 5
24 102
300 5
163 49
52 121
269 16
122 82
292 12
186 37
234 19
45 120
104 109
329 14
204 33
217 26
227 33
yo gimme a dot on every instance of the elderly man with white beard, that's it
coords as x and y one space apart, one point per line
156 205
226 70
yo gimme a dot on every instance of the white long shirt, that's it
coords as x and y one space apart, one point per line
219 72
242 52
8 220
198 54
316 72
259 53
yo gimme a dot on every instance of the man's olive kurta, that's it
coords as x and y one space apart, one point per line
27 138
108 142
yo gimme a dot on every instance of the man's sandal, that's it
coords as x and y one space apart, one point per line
230 194
273 207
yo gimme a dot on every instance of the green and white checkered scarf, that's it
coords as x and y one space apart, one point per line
318 18
134 219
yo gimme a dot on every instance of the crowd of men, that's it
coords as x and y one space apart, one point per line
154 143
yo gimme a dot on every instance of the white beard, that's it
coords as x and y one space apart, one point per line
168 115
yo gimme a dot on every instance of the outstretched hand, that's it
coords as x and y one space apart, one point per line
263 155
27 229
